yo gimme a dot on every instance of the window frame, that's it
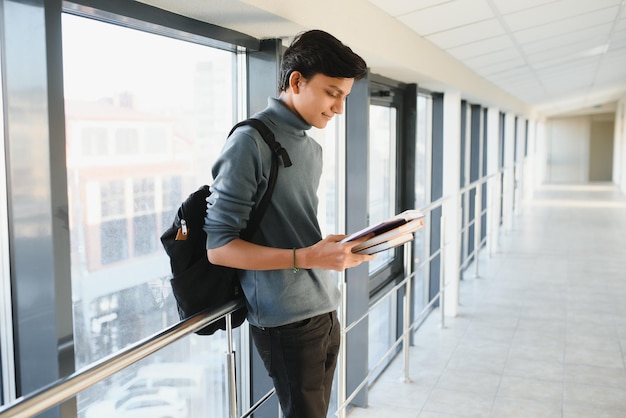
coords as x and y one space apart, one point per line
389 93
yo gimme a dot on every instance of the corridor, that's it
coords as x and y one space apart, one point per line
541 332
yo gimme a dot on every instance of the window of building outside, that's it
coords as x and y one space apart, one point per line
146 115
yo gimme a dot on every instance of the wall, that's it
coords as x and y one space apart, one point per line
601 148
568 150
580 149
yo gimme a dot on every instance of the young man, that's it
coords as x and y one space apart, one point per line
291 296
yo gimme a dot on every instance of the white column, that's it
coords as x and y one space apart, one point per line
541 153
493 189
619 146
520 167
529 169
509 172
451 209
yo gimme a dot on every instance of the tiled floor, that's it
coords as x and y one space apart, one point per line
541 332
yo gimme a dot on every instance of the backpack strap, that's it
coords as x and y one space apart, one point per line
277 151
268 137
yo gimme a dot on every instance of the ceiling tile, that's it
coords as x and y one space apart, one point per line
567 53
496 57
446 16
564 71
510 6
531 92
554 43
569 25
400 7
467 34
481 47
617 44
513 75
556 11
495 68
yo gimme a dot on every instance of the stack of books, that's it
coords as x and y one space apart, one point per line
388 234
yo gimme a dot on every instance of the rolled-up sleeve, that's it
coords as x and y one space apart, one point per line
238 174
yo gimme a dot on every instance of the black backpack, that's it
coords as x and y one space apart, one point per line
196 283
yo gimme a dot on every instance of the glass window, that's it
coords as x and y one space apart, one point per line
94 141
381 331
382 172
112 199
382 184
332 140
152 113
126 141
422 198
155 139
331 205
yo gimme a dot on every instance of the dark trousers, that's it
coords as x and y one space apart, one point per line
301 358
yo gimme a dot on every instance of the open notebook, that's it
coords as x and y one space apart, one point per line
388 234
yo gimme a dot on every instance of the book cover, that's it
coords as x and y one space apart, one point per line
386 225
401 230
386 245
395 231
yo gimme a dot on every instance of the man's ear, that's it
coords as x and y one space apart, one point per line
295 78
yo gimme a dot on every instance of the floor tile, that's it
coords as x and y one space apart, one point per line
540 331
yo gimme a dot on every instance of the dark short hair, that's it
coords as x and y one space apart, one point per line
316 51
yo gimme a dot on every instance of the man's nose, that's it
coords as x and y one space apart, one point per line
337 107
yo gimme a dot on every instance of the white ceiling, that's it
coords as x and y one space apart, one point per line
556 56
551 54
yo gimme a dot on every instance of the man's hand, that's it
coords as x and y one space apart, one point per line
331 254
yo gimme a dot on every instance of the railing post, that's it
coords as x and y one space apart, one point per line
408 255
491 212
478 215
342 369
442 268
231 372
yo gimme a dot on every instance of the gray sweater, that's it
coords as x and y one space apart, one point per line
241 173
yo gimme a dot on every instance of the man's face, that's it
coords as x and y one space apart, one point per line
319 98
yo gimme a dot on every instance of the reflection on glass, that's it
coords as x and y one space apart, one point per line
162 386
146 116
381 172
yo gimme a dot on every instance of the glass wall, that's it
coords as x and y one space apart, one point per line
146 115
382 203
422 198
333 142
382 172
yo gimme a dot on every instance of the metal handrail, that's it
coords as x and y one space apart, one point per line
409 326
68 387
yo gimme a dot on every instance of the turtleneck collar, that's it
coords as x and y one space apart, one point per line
288 118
